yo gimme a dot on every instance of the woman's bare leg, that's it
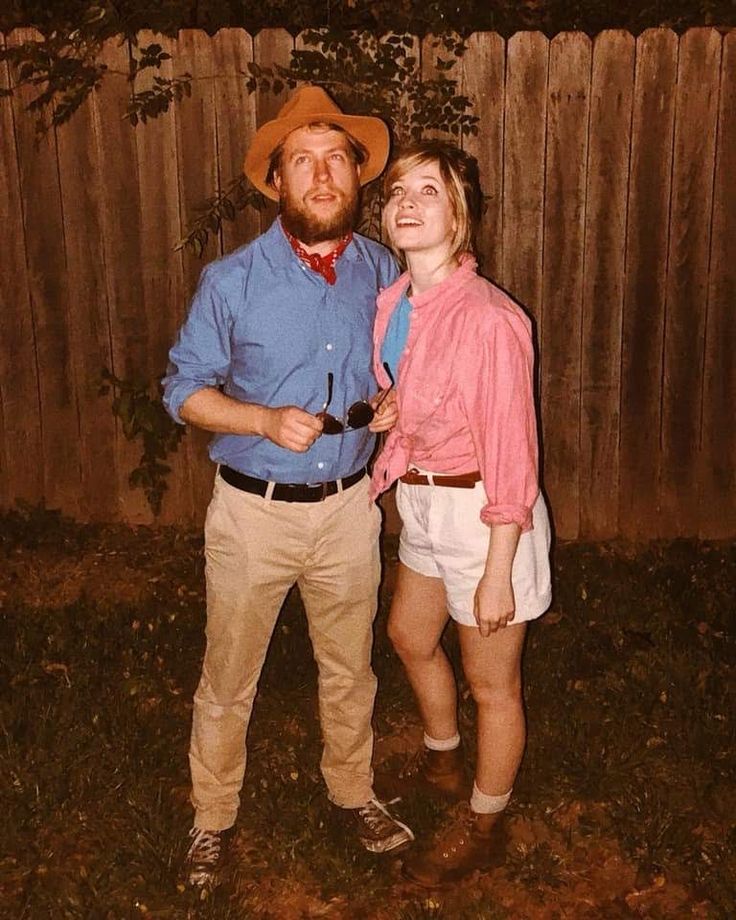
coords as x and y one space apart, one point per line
417 619
492 667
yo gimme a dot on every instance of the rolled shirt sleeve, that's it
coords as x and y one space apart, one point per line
201 355
499 401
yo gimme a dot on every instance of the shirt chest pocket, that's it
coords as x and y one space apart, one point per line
425 401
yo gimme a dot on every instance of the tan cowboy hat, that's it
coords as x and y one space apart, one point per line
310 104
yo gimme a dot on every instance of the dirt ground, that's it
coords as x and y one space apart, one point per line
573 849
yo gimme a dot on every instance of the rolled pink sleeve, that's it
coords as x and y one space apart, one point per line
499 400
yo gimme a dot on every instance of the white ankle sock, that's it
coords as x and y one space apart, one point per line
483 804
442 744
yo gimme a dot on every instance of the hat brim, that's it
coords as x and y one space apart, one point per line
371 132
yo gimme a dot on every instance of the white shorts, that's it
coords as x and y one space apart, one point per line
444 537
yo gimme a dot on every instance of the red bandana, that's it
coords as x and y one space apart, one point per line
323 265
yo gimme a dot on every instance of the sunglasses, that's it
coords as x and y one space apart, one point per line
359 415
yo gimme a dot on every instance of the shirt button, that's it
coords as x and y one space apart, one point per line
328 346
320 465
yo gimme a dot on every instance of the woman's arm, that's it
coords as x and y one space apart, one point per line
494 603
497 393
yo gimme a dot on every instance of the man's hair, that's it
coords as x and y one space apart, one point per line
358 151
459 172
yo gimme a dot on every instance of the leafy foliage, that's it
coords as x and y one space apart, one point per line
143 416
151 103
372 75
63 67
419 17
236 196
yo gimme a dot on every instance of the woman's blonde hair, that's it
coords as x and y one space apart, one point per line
459 172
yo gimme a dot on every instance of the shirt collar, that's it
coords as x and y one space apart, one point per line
322 265
465 271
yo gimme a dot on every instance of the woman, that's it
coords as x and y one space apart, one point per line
475 539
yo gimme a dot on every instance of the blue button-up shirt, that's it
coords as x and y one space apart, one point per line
268 329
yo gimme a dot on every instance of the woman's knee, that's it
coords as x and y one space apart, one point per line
408 645
496 695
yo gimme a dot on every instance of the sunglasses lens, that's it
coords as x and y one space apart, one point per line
360 414
331 425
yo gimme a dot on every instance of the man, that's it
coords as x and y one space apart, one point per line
278 336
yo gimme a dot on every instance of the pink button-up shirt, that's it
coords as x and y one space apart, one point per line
465 392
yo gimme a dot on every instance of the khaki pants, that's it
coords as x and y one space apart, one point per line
255 551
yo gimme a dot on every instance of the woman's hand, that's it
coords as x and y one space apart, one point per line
387 411
493 605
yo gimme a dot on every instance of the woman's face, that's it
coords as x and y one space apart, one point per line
418 215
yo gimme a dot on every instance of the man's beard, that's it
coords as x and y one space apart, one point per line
309 228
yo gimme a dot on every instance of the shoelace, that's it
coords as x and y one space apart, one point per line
205 845
377 817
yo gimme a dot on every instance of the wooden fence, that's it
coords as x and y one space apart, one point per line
611 170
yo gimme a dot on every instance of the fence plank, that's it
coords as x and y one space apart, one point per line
430 52
196 134
605 247
196 149
644 296
271 46
235 112
160 264
718 453
120 229
81 179
523 169
483 80
562 286
687 276
21 466
44 234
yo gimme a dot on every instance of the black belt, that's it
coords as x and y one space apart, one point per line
288 491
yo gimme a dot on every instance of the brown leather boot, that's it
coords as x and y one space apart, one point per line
462 847
435 773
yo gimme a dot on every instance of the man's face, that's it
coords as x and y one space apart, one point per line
318 185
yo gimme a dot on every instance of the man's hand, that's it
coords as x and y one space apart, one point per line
493 605
387 411
291 427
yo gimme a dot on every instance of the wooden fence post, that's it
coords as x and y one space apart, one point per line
644 294
603 281
717 474
21 451
562 272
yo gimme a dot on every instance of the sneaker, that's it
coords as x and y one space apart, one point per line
206 857
461 848
438 774
378 830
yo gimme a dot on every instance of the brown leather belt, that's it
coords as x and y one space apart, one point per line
287 491
413 477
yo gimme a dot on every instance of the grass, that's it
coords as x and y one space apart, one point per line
625 805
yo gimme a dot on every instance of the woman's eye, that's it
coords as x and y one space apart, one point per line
430 190
396 191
